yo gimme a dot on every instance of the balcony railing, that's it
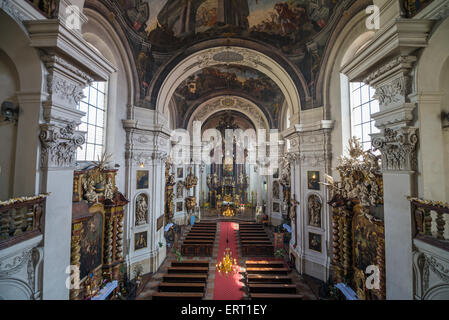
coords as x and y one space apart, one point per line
21 219
431 221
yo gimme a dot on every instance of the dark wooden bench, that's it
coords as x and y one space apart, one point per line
267 296
280 271
196 249
262 278
182 270
178 296
272 288
264 264
175 277
190 263
181 287
255 250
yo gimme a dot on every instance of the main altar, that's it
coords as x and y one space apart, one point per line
227 180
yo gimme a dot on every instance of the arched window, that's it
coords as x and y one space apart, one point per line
94 105
363 105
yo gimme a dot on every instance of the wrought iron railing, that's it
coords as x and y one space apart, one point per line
21 219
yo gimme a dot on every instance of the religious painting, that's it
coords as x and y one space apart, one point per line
91 244
179 206
315 241
142 177
231 77
313 180
160 223
140 240
180 173
276 207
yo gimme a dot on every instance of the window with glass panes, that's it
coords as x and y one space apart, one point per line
94 105
363 105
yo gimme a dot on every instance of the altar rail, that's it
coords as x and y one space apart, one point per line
431 221
21 219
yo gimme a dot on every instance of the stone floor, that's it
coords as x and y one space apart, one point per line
306 285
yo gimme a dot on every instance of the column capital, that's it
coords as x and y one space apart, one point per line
59 144
398 148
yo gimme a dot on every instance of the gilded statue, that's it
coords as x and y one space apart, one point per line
109 188
89 190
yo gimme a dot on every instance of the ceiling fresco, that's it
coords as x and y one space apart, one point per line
297 29
240 79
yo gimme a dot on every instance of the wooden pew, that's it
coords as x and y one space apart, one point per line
178 296
276 271
257 250
262 278
190 263
264 264
272 288
181 277
182 287
182 270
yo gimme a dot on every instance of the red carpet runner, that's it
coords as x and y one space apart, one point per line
228 287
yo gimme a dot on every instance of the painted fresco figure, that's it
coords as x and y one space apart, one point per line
179 16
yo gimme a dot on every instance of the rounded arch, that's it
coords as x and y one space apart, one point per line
236 103
228 55
440 292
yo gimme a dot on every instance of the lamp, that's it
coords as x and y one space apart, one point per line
9 111
228 265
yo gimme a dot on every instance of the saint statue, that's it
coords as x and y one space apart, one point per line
141 210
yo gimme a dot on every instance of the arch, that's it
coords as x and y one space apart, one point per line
432 94
236 103
30 95
15 289
440 292
227 55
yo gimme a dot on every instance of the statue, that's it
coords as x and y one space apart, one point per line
141 210
314 211
293 205
276 190
109 189
179 189
89 189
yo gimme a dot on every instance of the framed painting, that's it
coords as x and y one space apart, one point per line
275 206
160 223
142 177
140 240
315 242
179 206
91 244
313 180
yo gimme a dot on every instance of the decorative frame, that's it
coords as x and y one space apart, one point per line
276 207
179 206
142 178
140 240
313 180
315 242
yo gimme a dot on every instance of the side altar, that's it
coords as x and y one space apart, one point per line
97 231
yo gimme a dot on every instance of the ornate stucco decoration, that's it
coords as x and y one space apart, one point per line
398 148
204 111
360 178
393 92
59 144
228 55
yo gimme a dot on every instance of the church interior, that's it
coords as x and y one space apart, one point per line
224 150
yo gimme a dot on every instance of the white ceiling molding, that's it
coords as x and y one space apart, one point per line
210 107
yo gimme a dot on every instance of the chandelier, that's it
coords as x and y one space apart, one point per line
228 265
